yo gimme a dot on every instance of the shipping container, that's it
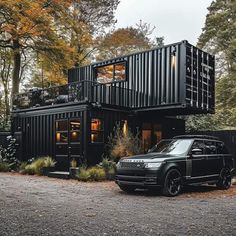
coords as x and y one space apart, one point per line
174 76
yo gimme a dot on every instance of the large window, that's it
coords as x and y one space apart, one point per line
75 131
96 131
111 73
62 131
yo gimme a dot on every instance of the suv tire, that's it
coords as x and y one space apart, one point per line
225 179
172 184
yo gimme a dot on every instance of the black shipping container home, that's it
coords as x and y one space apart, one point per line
145 90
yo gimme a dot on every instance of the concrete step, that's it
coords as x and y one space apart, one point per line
59 174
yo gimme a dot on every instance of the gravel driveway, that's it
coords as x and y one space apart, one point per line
42 206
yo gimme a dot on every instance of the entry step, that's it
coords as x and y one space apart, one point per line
59 174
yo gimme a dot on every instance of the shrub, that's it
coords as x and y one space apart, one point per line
22 166
109 167
29 170
4 167
49 162
8 155
97 173
83 175
107 164
37 165
110 175
122 144
91 174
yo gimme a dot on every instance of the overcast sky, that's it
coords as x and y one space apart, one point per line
174 19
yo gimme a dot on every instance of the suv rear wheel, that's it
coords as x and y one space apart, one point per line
172 183
225 179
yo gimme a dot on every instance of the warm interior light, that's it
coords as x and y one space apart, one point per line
158 135
173 61
125 128
74 134
58 137
95 124
92 138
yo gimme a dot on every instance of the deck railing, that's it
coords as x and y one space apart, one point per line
81 91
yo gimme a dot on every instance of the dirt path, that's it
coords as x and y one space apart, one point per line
43 206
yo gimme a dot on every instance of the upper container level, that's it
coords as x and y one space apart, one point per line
174 76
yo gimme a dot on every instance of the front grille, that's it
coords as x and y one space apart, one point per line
138 165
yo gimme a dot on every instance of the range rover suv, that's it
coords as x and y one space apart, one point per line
173 163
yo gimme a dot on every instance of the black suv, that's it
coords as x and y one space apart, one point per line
172 163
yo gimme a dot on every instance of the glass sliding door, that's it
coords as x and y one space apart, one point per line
146 136
62 144
75 139
151 135
68 142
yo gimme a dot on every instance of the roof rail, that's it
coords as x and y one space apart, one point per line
196 136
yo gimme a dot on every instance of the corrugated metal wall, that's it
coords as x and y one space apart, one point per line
39 132
175 74
153 78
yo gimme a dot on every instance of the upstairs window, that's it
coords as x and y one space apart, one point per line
111 73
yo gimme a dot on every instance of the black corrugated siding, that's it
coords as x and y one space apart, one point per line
155 80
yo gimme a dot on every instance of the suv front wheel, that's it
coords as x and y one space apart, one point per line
225 179
172 183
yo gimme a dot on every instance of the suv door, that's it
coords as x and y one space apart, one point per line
213 163
198 159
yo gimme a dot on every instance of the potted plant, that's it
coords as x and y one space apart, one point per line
73 169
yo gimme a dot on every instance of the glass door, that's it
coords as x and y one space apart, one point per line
75 140
151 135
68 140
62 144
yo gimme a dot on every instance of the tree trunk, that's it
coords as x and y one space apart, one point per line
7 105
16 68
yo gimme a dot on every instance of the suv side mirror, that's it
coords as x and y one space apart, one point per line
196 151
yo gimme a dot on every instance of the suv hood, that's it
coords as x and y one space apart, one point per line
159 157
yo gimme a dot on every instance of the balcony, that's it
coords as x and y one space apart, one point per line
83 91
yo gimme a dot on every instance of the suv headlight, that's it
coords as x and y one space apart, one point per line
118 164
152 165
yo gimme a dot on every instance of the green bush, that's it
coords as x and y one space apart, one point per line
37 165
49 162
8 154
4 167
83 175
28 170
110 175
92 174
97 173
109 168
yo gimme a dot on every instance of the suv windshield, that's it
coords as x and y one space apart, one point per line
174 147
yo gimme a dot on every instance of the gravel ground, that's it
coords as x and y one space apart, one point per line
43 206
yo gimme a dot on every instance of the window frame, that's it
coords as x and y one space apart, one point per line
210 146
61 132
113 75
99 131
192 147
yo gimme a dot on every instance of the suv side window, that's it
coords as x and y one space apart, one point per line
210 147
221 149
198 145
